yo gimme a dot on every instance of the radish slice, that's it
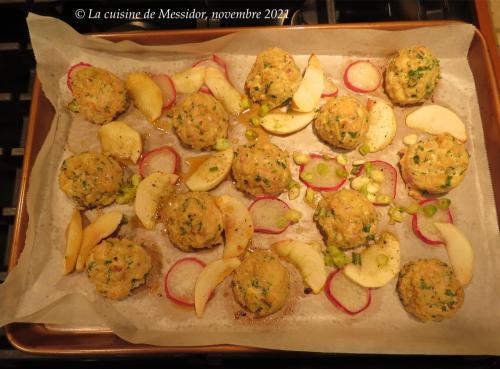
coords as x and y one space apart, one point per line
347 295
163 159
215 61
269 215
329 87
71 72
167 88
362 76
389 185
181 279
322 174
424 227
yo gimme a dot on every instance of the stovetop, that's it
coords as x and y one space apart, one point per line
18 66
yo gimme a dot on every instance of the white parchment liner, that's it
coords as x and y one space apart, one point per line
35 290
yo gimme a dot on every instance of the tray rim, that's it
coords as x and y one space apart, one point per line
15 332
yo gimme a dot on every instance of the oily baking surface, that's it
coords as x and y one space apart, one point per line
37 292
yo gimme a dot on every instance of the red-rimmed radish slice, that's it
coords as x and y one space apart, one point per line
216 62
329 87
269 215
423 225
167 88
181 279
322 174
362 76
389 185
71 72
347 295
163 159
205 90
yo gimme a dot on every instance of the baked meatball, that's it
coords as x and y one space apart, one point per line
199 120
434 165
91 179
429 290
342 122
117 266
274 78
261 284
411 75
98 95
192 221
346 219
261 168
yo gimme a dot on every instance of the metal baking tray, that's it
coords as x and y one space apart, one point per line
50 340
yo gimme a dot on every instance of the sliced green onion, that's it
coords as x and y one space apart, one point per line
364 149
255 121
322 168
221 144
263 110
443 203
342 159
341 172
412 209
377 175
251 134
300 158
429 210
293 215
245 103
282 222
293 189
306 176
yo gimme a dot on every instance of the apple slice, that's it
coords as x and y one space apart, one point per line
121 141
307 96
459 251
362 76
436 119
223 90
94 233
286 123
146 95
212 171
73 241
381 125
211 276
190 80
238 226
379 263
306 259
150 193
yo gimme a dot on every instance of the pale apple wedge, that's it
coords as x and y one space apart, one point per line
459 251
380 263
150 192
146 95
223 90
73 241
306 259
436 119
94 233
211 276
286 123
121 141
189 81
238 226
381 125
211 172
307 96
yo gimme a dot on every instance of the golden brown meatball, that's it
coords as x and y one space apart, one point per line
261 168
261 284
429 290
274 78
411 75
434 165
98 95
346 218
199 120
193 221
117 266
91 179
342 122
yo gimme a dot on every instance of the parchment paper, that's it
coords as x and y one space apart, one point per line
35 290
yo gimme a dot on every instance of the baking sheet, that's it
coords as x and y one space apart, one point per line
144 318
